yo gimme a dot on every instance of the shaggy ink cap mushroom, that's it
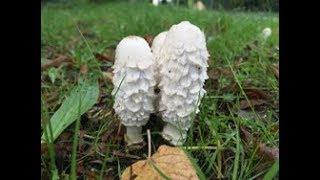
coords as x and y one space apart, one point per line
134 82
182 63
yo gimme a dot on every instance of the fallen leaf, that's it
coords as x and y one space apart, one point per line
249 114
245 134
167 161
256 93
91 175
225 71
84 69
213 74
270 153
80 168
56 62
103 57
244 104
256 96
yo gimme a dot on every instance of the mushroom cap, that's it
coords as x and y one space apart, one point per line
158 42
186 33
185 37
266 32
134 81
133 51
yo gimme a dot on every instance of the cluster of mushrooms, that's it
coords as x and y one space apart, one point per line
177 64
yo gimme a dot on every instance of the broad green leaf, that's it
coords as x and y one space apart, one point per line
80 100
272 171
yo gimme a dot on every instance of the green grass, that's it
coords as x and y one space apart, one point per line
79 30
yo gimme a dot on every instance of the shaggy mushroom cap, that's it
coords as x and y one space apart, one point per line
134 81
183 71
158 42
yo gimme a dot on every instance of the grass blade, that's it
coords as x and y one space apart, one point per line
119 169
195 165
73 174
54 171
162 174
237 155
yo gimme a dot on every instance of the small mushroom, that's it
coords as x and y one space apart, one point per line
134 82
266 32
182 70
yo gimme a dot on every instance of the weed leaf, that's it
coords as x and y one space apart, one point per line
68 112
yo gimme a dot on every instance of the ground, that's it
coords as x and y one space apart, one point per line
235 135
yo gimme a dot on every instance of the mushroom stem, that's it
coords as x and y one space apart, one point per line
134 135
176 136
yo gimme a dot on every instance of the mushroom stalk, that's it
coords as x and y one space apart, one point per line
133 135
174 134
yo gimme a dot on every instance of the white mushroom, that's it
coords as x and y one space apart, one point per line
158 42
134 81
183 71
266 32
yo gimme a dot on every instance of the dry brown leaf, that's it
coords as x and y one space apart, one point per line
256 93
91 175
213 74
256 97
244 104
84 69
270 153
171 161
245 134
56 62
103 57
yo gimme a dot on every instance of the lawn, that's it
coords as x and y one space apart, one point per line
235 135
